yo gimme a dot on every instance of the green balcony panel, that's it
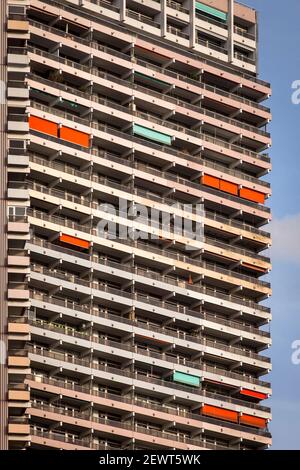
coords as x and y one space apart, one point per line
70 103
42 93
211 11
152 79
152 135
186 379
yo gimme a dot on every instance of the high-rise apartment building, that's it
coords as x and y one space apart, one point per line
133 334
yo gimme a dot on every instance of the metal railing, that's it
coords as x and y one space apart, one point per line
197 109
135 400
133 426
175 359
203 315
209 291
186 156
93 204
115 131
175 281
211 62
109 156
60 356
184 78
133 347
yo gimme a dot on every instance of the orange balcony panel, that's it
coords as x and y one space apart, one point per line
18 25
149 48
253 421
220 413
21 328
18 361
228 187
252 393
211 181
18 428
77 137
255 268
18 395
252 195
43 125
153 339
74 241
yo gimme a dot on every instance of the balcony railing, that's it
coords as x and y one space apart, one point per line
203 341
69 439
178 102
65 357
203 315
186 156
174 359
180 281
208 291
209 240
135 400
112 130
192 55
109 156
183 78
134 425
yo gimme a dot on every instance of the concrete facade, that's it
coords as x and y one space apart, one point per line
156 342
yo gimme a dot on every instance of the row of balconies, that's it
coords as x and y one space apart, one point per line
93 203
175 30
133 161
167 180
128 139
35 216
176 278
193 400
210 194
193 279
102 108
133 424
134 336
39 26
230 357
166 202
103 428
65 10
138 371
90 393
164 282
116 53
211 322
227 225
87 100
253 133
195 268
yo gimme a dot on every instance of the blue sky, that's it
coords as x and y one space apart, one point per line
280 64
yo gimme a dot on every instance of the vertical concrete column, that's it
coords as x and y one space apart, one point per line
230 20
192 23
163 18
256 30
3 234
122 10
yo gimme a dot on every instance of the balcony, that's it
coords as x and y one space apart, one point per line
65 168
209 291
165 357
136 401
192 55
193 339
94 206
89 365
203 315
135 426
